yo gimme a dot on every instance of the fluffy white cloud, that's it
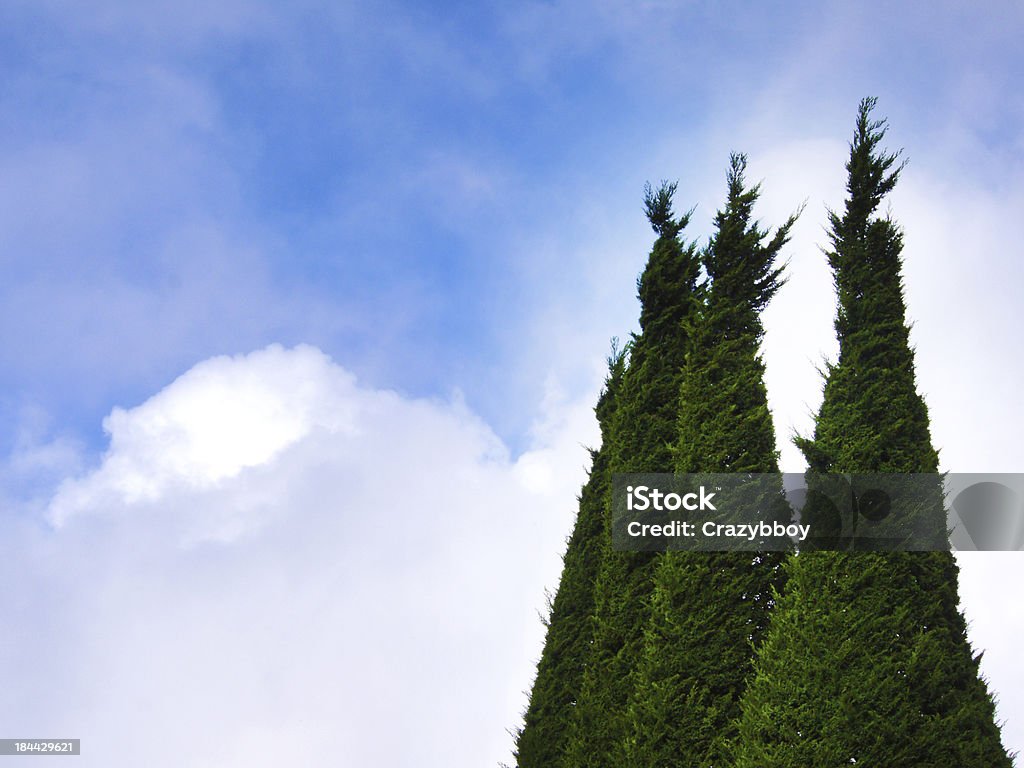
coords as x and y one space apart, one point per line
221 418
274 565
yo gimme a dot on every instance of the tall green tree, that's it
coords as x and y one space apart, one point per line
643 434
542 740
709 609
866 659
723 422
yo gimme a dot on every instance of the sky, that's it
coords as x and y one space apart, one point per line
306 307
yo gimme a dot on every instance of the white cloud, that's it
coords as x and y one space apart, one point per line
315 568
995 616
799 321
274 565
224 416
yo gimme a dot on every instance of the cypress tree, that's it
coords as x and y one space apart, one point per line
643 433
541 742
866 660
707 609
723 420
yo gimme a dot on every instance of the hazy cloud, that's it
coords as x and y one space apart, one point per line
272 564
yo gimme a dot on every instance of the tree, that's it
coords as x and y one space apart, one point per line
709 609
541 741
866 660
643 434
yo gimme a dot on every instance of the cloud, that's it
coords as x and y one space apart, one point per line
166 197
995 619
224 416
274 564
284 564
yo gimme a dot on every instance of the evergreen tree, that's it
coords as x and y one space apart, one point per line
643 434
645 431
723 420
866 660
541 741
708 609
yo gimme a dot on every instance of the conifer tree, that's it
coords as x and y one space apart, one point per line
541 741
723 420
866 659
708 609
643 435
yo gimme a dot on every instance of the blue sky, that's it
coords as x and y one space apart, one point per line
445 202
402 186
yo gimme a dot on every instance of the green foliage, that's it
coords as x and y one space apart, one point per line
646 421
708 610
723 422
541 741
866 662
872 419
643 433
732 659
866 659
841 628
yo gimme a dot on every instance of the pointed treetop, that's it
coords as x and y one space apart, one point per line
737 256
667 284
872 418
865 248
658 207
872 174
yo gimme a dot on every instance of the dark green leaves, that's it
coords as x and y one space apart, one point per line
734 659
